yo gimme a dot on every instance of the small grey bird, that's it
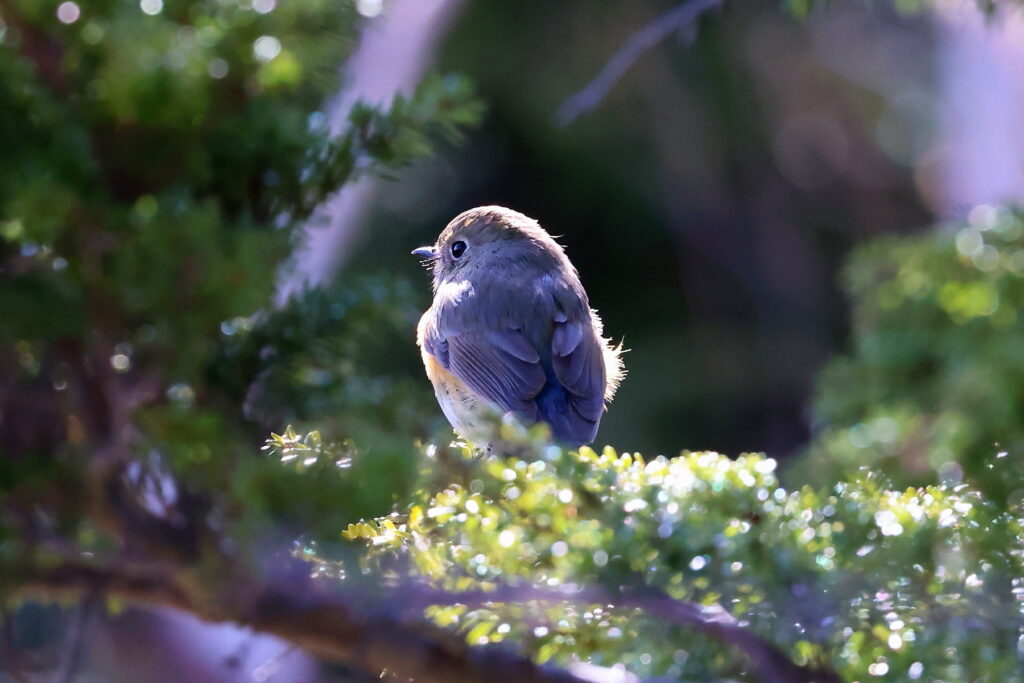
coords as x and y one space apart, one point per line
511 330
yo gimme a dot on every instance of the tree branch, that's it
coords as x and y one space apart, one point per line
392 54
770 664
330 624
641 41
343 627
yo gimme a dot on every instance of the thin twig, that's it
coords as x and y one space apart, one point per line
268 668
641 41
10 657
77 638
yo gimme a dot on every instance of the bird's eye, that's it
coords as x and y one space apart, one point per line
458 249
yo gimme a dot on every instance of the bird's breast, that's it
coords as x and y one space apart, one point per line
466 411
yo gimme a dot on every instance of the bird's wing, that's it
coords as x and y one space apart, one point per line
499 365
578 364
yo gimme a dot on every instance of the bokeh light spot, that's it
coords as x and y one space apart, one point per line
370 8
266 48
68 12
217 68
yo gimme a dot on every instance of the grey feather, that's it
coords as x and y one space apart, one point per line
494 373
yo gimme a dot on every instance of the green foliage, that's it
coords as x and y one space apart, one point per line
876 582
151 162
158 160
329 354
154 168
932 390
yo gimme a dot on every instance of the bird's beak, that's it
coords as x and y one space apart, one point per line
425 252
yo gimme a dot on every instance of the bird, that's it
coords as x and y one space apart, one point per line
510 331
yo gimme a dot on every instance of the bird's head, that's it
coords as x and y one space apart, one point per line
494 239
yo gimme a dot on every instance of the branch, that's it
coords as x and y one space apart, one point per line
392 54
76 640
330 624
769 663
641 41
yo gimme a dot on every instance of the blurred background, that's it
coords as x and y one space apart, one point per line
710 199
